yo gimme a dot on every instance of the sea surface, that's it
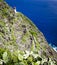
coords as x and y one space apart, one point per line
43 13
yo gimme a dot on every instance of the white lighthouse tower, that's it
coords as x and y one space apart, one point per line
15 9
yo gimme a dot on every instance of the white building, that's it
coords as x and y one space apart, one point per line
15 9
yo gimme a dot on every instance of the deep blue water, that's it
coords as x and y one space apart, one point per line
42 13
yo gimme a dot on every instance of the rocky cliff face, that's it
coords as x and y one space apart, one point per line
17 32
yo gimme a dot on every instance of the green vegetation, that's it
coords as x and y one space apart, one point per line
1 0
18 58
2 23
15 29
33 32
24 38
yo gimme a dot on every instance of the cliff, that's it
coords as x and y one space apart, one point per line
20 38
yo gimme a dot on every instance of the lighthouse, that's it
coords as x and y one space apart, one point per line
15 9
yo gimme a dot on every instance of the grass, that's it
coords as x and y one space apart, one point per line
33 32
2 23
12 34
1 0
25 37
33 46
1 34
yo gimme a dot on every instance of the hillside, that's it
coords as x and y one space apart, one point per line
21 42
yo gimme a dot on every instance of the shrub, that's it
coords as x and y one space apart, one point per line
17 58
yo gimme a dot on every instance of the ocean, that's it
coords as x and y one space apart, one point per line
43 13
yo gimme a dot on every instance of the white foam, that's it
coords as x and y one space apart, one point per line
54 47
